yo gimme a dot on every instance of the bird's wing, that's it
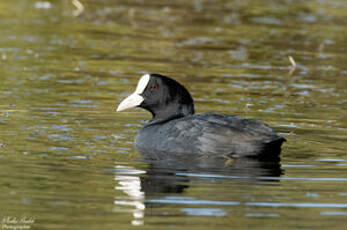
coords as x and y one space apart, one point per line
222 134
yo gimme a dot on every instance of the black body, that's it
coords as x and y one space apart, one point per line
176 130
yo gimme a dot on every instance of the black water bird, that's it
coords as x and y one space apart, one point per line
176 130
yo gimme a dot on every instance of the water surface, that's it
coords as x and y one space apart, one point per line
68 160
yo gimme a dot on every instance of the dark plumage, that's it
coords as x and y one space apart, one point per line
176 130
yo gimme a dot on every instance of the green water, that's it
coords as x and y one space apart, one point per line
67 158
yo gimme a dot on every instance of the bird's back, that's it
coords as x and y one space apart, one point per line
209 135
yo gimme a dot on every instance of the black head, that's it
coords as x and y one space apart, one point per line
164 97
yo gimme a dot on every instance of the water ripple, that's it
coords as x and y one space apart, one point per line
204 211
262 178
193 201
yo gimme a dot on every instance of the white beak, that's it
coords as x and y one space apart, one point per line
132 101
135 99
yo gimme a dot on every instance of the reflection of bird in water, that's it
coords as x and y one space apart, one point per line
157 182
166 176
133 202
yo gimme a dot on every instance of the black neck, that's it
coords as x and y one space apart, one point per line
171 111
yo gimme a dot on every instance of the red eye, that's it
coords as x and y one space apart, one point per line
154 88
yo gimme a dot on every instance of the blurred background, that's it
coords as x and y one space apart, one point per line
68 160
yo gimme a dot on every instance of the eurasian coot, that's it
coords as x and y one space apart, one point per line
176 130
